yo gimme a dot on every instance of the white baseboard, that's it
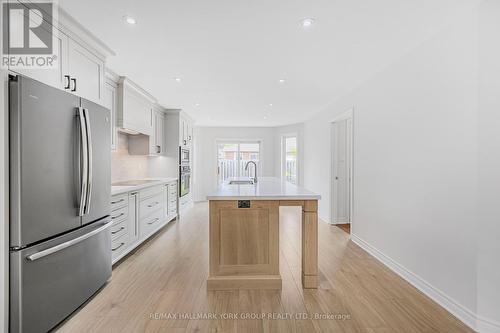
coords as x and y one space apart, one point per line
487 325
465 315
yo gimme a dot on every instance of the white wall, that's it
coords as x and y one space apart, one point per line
488 228
415 168
205 167
297 129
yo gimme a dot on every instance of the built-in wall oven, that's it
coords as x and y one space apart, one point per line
184 171
184 156
185 183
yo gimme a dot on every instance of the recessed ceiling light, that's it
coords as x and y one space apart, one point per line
197 104
307 22
265 117
270 104
130 20
177 79
282 80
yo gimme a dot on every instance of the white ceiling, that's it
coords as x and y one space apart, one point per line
231 54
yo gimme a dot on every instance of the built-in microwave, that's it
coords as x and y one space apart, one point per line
184 155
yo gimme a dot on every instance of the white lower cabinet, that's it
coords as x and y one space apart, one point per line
139 214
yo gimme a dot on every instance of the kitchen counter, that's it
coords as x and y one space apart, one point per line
153 182
267 188
244 234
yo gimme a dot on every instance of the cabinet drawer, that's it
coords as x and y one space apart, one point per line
148 206
119 201
151 223
150 192
118 229
119 215
118 245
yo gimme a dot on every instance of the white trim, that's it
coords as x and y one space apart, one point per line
345 115
349 114
462 313
487 325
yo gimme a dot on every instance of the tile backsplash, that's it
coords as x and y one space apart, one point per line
125 166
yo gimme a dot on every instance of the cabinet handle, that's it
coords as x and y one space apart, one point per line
74 84
117 216
67 81
116 248
154 221
115 202
117 231
153 204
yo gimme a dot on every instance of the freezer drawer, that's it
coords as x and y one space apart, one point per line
50 280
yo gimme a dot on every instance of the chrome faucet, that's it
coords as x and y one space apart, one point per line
255 169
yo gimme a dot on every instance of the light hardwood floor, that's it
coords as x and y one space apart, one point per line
168 276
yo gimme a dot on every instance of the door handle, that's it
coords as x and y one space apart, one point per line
83 162
64 245
90 160
68 81
153 204
74 84
118 201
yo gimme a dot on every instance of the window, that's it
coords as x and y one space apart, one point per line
232 158
289 159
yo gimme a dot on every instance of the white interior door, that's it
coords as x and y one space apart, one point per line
342 171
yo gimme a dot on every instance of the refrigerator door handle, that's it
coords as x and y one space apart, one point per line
84 162
89 152
64 245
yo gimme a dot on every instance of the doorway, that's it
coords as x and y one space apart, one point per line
342 171
232 157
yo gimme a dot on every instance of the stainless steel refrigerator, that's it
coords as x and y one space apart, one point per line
60 167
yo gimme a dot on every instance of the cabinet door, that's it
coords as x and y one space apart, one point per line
86 71
52 77
111 102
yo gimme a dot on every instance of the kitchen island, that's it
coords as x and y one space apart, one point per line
244 234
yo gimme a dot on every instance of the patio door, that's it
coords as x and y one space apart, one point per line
232 157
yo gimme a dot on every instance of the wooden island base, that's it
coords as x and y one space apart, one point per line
244 244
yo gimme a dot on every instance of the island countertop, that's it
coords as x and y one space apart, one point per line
267 188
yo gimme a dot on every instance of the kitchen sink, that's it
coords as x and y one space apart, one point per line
241 182
134 182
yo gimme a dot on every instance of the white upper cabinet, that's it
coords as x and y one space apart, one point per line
135 108
158 139
86 72
80 60
185 131
53 77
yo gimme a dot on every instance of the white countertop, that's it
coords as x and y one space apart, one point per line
157 181
267 188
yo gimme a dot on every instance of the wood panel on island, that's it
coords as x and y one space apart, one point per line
244 235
